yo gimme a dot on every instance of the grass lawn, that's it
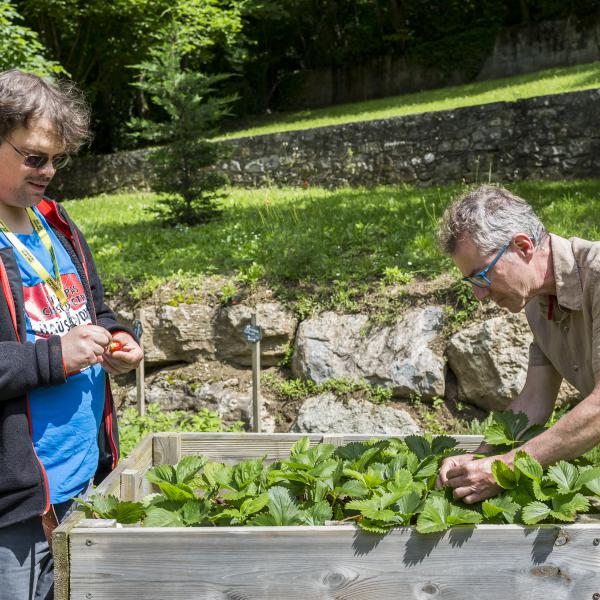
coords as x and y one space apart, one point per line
550 81
314 248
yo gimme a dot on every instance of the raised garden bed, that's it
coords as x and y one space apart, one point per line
96 560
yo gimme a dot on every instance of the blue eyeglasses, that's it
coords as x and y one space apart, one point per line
481 279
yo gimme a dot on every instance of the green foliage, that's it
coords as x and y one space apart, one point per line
295 389
190 108
20 46
378 484
133 427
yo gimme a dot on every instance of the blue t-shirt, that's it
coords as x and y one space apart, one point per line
65 418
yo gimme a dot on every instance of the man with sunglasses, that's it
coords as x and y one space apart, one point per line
506 254
58 339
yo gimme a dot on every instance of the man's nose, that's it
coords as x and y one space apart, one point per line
480 293
48 170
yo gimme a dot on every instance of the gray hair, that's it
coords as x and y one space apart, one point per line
489 216
25 97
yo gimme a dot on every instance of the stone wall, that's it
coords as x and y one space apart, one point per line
551 137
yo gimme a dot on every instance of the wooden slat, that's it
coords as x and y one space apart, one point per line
488 562
166 448
233 447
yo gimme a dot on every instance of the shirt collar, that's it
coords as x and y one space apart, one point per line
569 291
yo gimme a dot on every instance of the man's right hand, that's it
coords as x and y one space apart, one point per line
451 463
83 346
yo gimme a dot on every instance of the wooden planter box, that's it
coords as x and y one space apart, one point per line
95 560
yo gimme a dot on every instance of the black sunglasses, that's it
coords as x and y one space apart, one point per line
37 161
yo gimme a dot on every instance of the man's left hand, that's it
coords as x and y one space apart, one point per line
126 358
473 481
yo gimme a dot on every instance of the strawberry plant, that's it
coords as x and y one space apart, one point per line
377 484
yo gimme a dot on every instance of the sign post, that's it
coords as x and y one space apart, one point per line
253 334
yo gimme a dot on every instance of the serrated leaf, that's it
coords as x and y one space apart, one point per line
535 512
426 468
217 474
528 466
128 512
104 505
187 468
441 443
194 512
434 516
247 472
408 504
565 475
316 514
159 517
300 446
500 506
590 478
354 489
374 526
544 490
178 492
419 445
463 516
282 507
162 473
570 505
505 477
254 505
401 482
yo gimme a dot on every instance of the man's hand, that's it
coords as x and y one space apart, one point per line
83 346
470 478
124 358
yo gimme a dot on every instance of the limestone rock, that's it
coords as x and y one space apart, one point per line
278 328
403 357
173 334
326 414
489 360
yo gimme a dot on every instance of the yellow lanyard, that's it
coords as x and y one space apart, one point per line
54 282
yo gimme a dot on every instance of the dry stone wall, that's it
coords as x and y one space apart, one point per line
550 137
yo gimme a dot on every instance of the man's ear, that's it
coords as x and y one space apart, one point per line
523 245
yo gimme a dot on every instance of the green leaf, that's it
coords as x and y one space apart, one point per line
544 490
179 492
505 477
535 512
528 466
247 472
589 478
427 468
463 516
565 475
128 512
187 468
300 447
565 508
500 506
441 443
254 505
194 512
159 517
317 514
407 505
217 474
419 445
104 505
354 489
434 516
162 473
282 507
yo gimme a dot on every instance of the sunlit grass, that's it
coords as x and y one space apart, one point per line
542 83
305 242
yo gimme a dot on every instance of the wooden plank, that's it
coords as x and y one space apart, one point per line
234 447
166 448
133 481
60 554
488 562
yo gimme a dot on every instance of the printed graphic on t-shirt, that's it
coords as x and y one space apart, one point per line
47 316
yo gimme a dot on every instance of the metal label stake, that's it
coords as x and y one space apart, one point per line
138 331
253 334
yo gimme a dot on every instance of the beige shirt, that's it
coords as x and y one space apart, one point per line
567 333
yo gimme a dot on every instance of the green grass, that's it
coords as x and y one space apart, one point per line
550 81
310 246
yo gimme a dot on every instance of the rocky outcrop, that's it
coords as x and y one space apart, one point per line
326 414
278 328
404 357
187 332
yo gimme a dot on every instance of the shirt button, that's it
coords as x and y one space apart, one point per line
575 368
